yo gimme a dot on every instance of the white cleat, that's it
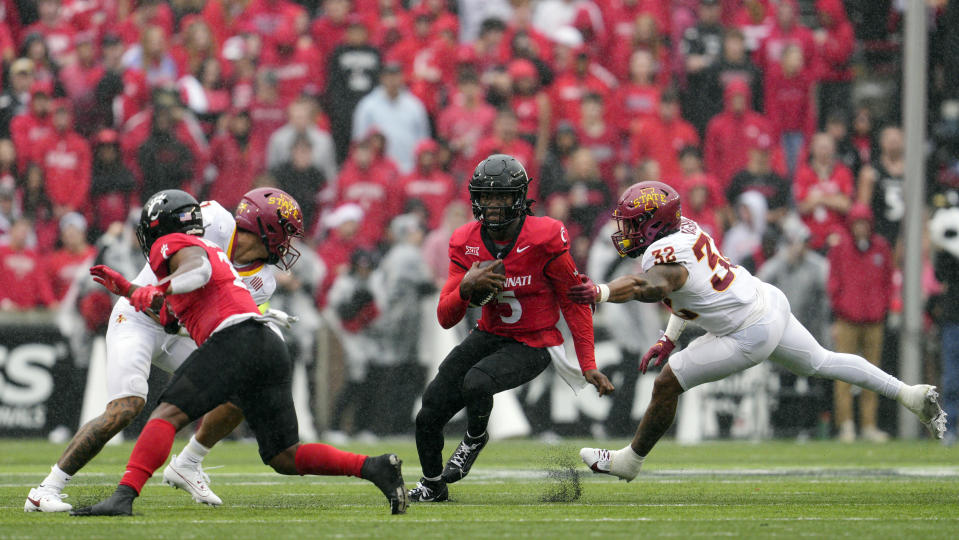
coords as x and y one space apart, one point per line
192 480
46 499
603 461
923 401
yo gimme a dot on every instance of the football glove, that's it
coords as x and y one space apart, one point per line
111 280
660 351
143 297
585 292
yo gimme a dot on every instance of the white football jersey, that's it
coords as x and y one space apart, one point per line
717 296
219 227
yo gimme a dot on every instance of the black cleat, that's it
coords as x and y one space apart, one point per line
119 504
429 491
462 459
385 471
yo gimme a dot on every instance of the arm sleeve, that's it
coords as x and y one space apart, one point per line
562 272
452 307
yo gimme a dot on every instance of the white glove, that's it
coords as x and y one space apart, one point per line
278 317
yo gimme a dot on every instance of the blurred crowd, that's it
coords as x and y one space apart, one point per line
777 120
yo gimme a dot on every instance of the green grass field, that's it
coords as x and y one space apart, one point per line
732 489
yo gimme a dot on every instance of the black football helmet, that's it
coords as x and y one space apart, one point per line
168 211
496 175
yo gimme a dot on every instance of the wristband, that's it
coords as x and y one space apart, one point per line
603 293
674 328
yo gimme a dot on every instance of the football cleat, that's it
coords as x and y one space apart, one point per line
46 499
923 401
430 491
386 473
119 504
603 461
463 458
192 480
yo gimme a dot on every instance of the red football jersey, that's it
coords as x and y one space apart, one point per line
203 309
539 272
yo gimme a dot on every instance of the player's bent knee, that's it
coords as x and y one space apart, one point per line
666 385
121 412
285 461
477 384
172 414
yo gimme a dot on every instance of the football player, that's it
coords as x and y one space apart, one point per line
240 357
254 239
524 291
746 321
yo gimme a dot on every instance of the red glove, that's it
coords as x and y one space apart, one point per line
110 279
143 297
584 293
661 350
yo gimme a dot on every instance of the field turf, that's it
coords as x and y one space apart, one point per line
723 489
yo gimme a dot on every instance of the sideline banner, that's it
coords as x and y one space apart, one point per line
39 385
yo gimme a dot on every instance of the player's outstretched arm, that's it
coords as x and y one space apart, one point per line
651 286
190 269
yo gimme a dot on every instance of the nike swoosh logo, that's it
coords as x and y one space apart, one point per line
522 249
33 502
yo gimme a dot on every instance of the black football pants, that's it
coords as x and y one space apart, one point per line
482 365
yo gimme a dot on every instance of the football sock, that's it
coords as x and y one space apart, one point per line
480 436
434 479
56 479
151 450
626 461
192 454
857 370
322 459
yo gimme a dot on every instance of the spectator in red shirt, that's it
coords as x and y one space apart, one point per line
860 280
577 75
112 185
295 61
531 105
146 13
600 138
621 15
66 161
786 31
824 191
79 81
24 283
701 194
237 161
75 255
429 184
834 43
56 31
196 47
464 122
789 104
342 239
505 140
266 17
30 128
647 37
662 137
639 97
223 18
368 179
329 29
755 20
727 131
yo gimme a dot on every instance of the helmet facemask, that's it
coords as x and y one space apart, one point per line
507 213
283 254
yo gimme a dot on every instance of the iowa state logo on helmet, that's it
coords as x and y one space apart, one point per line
649 198
285 204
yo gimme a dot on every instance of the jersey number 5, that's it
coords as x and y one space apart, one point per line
515 308
705 248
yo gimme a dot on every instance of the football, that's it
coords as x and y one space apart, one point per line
481 297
